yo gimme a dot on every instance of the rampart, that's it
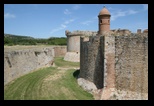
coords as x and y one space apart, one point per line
91 60
118 62
60 51
131 62
21 62
73 39
73 44
77 32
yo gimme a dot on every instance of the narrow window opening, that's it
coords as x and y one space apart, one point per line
100 21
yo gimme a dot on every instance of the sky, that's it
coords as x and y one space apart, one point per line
51 20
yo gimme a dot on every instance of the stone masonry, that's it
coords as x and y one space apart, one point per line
91 60
21 62
115 62
73 44
131 62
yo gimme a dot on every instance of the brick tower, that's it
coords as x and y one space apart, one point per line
104 21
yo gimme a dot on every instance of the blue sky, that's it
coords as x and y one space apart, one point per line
51 20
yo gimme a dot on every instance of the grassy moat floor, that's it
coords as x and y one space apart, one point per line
52 83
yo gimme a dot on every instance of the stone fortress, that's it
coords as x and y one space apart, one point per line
73 38
113 63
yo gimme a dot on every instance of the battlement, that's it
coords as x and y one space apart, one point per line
80 33
85 38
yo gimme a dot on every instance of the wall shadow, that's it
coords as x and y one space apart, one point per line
76 73
99 66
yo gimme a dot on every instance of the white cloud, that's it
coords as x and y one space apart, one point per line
62 26
8 15
66 11
89 21
69 21
120 13
131 12
76 7
145 6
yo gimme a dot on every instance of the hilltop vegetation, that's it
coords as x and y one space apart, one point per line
11 40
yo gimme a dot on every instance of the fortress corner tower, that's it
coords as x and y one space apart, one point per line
103 21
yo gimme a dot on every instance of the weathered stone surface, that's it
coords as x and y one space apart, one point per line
73 43
124 95
85 33
87 85
72 56
116 62
132 63
60 51
21 62
91 61
109 61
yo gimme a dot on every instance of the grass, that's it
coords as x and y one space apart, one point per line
47 84
60 62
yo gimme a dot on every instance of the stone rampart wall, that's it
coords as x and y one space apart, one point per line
21 62
131 62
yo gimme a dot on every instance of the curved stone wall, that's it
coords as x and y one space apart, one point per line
73 44
21 62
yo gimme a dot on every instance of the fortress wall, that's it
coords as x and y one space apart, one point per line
73 44
109 61
73 49
72 56
21 62
60 51
118 64
86 33
73 39
84 61
131 63
91 61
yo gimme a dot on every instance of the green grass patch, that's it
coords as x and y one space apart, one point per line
27 86
46 84
60 62
75 91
